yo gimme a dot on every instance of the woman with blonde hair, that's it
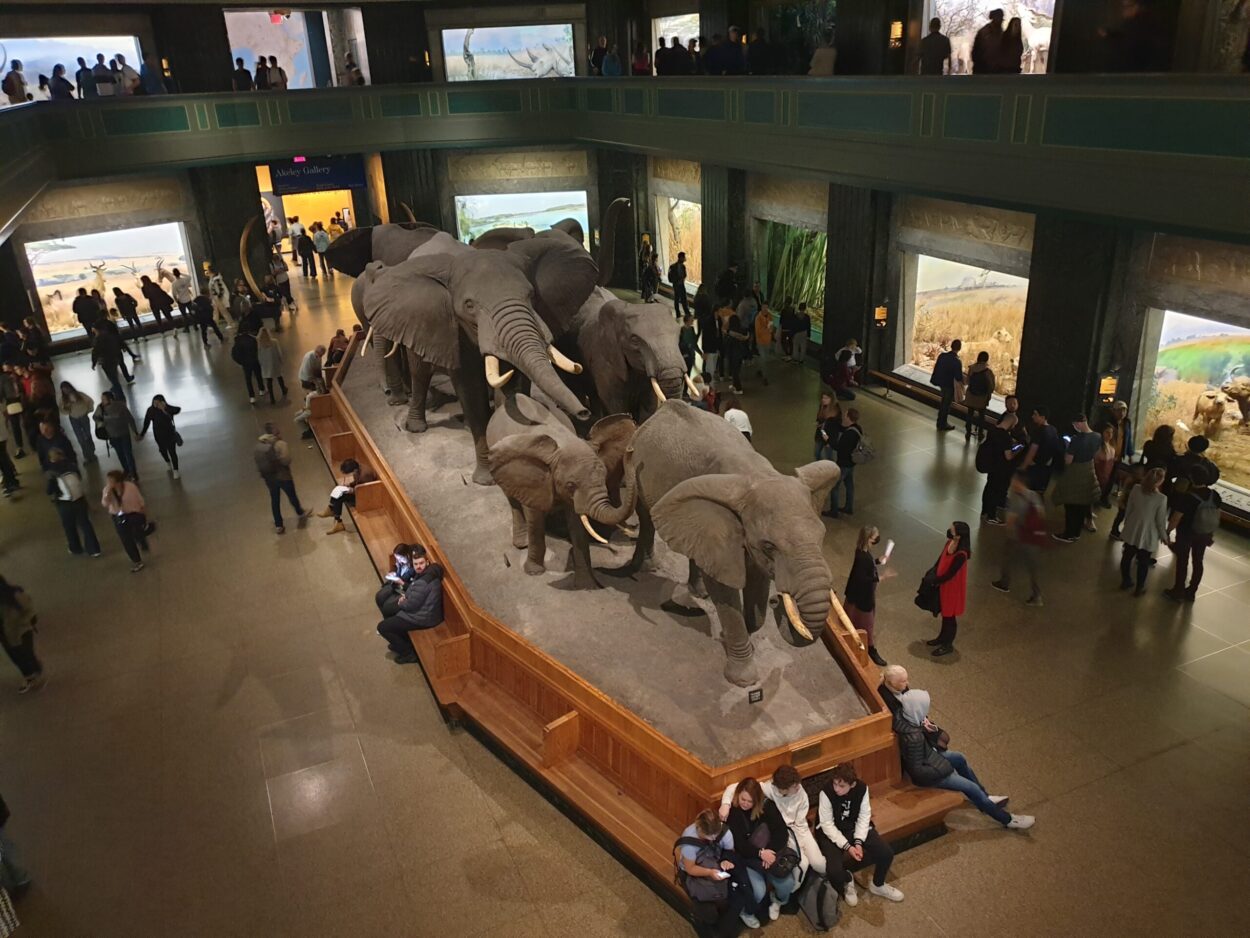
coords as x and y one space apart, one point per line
861 589
1145 526
269 353
759 836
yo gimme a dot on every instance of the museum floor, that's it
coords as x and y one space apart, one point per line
222 749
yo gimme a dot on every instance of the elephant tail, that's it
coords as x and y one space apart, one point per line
607 242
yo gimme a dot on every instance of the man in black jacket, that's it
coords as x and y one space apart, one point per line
948 371
421 607
847 835
86 310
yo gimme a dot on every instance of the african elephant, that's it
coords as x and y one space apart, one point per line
629 353
704 489
463 311
541 463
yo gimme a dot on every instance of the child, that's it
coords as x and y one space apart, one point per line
1135 475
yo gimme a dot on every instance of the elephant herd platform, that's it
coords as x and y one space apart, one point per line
614 698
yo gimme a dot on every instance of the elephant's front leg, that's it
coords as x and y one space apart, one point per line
643 560
520 533
536 556
421 372
739 653
474 393
392 371
694 582
755 597
579 554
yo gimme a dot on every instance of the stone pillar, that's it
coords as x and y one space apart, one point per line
862 36
14 300
624 22
226 198
412 177
723 199
716 16
192 36
1071 287
623 175
395 37
855 270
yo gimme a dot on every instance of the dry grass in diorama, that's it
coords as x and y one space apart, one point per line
1173 402
988 319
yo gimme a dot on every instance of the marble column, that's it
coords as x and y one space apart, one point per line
192 36
723 200
412 177
856 268
395 37
226 198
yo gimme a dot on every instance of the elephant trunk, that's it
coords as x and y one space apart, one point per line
523 345
808 600
671 382
602 509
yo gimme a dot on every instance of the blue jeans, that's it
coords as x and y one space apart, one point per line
964 781
782 887
82 430
847 480
125 450
276 488
12 873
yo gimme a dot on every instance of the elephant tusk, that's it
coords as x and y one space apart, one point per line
591 531
394 349
408 211
695 393
792 613
659 395
842 617
493 377
364 346
247 269
563 362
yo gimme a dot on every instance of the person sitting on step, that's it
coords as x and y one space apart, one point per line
846 836
344 493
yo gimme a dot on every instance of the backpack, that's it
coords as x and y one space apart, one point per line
267 461
702 888
1206 516
863 451
1033 526
985 455
979 383
672 272
818 903
236 349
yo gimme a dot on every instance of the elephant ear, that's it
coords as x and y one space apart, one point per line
393 244
498 239
701 518
819 476
407 305
521 465
440 243
351 251
571 227
610 437
562 273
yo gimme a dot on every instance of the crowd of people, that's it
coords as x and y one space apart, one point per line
114 78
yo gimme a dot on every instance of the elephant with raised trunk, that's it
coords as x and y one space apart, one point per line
630 355
541 464
743 525
465 311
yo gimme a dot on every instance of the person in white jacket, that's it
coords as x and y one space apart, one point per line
785 790
1145 525
847 836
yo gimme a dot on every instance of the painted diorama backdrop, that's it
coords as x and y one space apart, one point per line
102 261
253 34
476 214
38 56
789 263
685 26
982 308
1200 377
679 226
962 18
496 52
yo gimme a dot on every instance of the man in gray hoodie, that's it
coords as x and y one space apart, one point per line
273 460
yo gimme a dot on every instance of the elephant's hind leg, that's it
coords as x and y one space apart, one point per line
421 371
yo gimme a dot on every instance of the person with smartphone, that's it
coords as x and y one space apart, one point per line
997 458
861 589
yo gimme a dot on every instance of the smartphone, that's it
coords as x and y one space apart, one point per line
1017 447
1067 439
889 549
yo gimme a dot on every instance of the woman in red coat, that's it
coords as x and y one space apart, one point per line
952 577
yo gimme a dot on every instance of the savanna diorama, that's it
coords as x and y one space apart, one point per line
102 261
476 214
501 52
982 308
679 225
789 263
1201 384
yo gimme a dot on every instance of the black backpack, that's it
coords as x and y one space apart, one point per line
979 383
267 462
985 455
702 888
672 272
818 903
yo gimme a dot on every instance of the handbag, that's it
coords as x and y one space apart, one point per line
13 407
929 593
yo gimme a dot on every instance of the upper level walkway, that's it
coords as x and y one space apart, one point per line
1171 152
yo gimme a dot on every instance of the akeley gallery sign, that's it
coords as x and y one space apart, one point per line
317 174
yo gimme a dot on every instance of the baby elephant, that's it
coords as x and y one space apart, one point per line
541 464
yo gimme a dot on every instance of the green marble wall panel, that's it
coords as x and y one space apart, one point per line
633 101
857 112
230 114
125 121
599 99
692 104
325 111
972 117
758 107
1193 127
494 101
401 105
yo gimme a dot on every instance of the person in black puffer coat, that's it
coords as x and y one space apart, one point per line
754 819
421 607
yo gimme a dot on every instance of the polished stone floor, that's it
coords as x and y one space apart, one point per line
222 749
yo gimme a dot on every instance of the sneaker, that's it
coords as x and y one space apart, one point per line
21 454
31 683
1126 585
942 650
136 568
947 428
886 891
1091 527
1063 539
306 435
1001 586
1021 822
177 474
251 400
774 910
988 519
96 554
279 530
999 800
750 921
1114 535
1177 596
1140 591
850 894
1035 601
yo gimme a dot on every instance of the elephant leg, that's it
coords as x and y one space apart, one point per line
695 582
421 372
474 393
579 554
392 372
535 558
755 598
739 653
520 532
643 560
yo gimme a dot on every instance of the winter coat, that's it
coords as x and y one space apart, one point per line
742 826
282 457
270 357
422 605
162 423
923 764
116 419
1145 520
979 401
953 590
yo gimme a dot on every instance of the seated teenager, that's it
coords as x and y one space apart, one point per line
396 581
847 836
785 790
760 836
344 493
928 767
420 608
716 882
